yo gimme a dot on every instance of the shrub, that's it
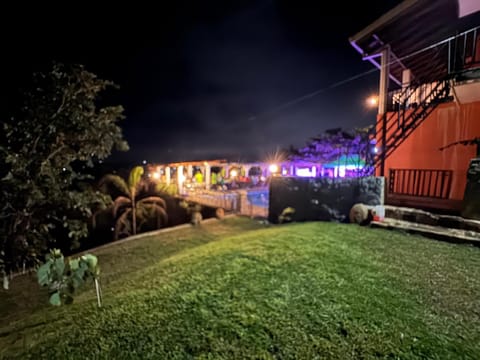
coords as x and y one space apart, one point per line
65 278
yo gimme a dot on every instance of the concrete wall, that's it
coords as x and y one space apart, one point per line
323 198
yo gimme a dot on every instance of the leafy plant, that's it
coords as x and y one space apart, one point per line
135 205
169 189
286 215
63 279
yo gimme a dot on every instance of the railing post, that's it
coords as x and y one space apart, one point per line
449 55
455 54
391 180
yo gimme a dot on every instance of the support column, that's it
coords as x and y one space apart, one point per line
384 76
406 79
247 169
167 175
382 103
180 178
189 171
208 175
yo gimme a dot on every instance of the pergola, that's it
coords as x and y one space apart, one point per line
181 172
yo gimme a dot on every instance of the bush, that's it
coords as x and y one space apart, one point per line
64 279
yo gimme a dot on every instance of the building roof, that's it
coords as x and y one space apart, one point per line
411 26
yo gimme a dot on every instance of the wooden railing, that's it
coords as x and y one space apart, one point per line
420 182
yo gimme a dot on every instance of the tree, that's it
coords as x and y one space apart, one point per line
335 144
46 149
134 202
468 142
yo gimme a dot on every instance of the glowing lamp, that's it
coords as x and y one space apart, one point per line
273 168
372 101
156 175
233 173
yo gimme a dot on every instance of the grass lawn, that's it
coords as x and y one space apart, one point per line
238 289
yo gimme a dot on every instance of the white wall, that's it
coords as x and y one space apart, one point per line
467 7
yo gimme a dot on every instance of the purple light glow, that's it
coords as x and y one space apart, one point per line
304 172
302 169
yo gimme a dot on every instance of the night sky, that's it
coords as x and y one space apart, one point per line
207 79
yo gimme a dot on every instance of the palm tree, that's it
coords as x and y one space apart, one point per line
134 203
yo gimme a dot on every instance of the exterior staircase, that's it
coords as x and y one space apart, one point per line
410 110
457 62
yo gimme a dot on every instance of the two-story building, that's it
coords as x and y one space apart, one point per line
428 54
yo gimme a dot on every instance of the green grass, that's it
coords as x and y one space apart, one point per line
238 289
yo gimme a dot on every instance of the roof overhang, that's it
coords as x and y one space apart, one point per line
411 26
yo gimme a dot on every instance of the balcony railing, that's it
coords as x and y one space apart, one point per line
459 55
413 96
464 51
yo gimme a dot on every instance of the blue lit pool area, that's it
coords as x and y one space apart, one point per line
258 198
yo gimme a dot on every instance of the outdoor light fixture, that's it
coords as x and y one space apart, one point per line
273 168
372 101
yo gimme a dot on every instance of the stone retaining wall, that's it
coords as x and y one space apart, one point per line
324 199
